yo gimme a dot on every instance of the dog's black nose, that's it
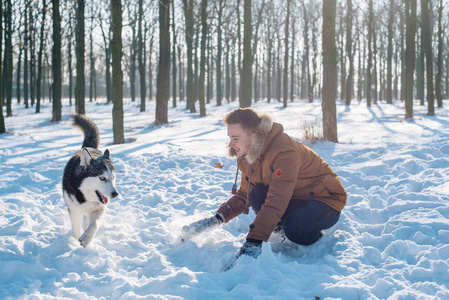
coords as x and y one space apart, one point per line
114 194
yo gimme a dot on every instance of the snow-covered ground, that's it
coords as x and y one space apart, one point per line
391 242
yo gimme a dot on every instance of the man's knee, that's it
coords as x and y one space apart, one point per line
303 238
257 197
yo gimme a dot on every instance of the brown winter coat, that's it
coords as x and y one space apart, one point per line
293 172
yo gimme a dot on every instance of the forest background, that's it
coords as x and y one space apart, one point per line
197 52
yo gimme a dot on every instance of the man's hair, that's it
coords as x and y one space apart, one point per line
247 117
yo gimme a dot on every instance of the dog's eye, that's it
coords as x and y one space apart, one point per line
102 178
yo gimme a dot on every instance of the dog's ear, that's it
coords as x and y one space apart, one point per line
106 154
85 158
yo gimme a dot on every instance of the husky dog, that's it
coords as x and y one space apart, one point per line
88 183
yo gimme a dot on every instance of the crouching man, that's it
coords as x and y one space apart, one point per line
291 188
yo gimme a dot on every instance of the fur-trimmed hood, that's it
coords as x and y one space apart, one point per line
259 138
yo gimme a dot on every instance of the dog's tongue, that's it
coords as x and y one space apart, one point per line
105 200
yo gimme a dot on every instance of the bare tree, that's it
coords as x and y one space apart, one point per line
368 88
438 93
285 83
204 29
246 75
174 69
117 77
141 52
349 50
92 56
69 52
80 78
220 9
409 57
189 33
39 58
107 56
329 71
56 63
427 45
163 76
389 91
2 119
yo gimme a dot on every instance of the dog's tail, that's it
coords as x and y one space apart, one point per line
90 130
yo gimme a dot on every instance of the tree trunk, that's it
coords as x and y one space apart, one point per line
246 76
269 63
32 58
374 88
150 67
19 69
107 58
69 55
221 5
438 93
278 71
349 50
233 77
189 32
228 73
132 63
39 59
210 73
292 67
370 54
163 77
80 79
420 68
117 74
25 59
203 58
181 78
56 64
410 58
174 71
427 44
141 59
285 81
2 119
329 72
91 56
403 20
8 63
341 53
307 54
389 91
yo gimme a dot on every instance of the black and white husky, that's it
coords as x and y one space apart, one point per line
88 183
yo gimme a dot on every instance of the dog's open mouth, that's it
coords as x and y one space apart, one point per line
102 198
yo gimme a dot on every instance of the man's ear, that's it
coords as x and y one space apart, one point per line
85 158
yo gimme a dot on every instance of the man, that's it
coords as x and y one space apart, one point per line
291 188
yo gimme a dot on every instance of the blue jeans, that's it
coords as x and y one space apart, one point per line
302 224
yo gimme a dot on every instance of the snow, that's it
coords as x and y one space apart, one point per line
391 242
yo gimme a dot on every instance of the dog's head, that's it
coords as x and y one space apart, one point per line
99 182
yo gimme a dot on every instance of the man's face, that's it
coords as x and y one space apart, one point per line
240 140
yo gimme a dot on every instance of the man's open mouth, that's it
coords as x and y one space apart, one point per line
102 198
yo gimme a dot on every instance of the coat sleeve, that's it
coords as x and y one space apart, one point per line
236 204
284 173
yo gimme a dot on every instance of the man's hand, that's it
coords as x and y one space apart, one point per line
251 247
201 225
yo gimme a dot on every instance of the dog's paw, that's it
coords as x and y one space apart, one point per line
85 240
